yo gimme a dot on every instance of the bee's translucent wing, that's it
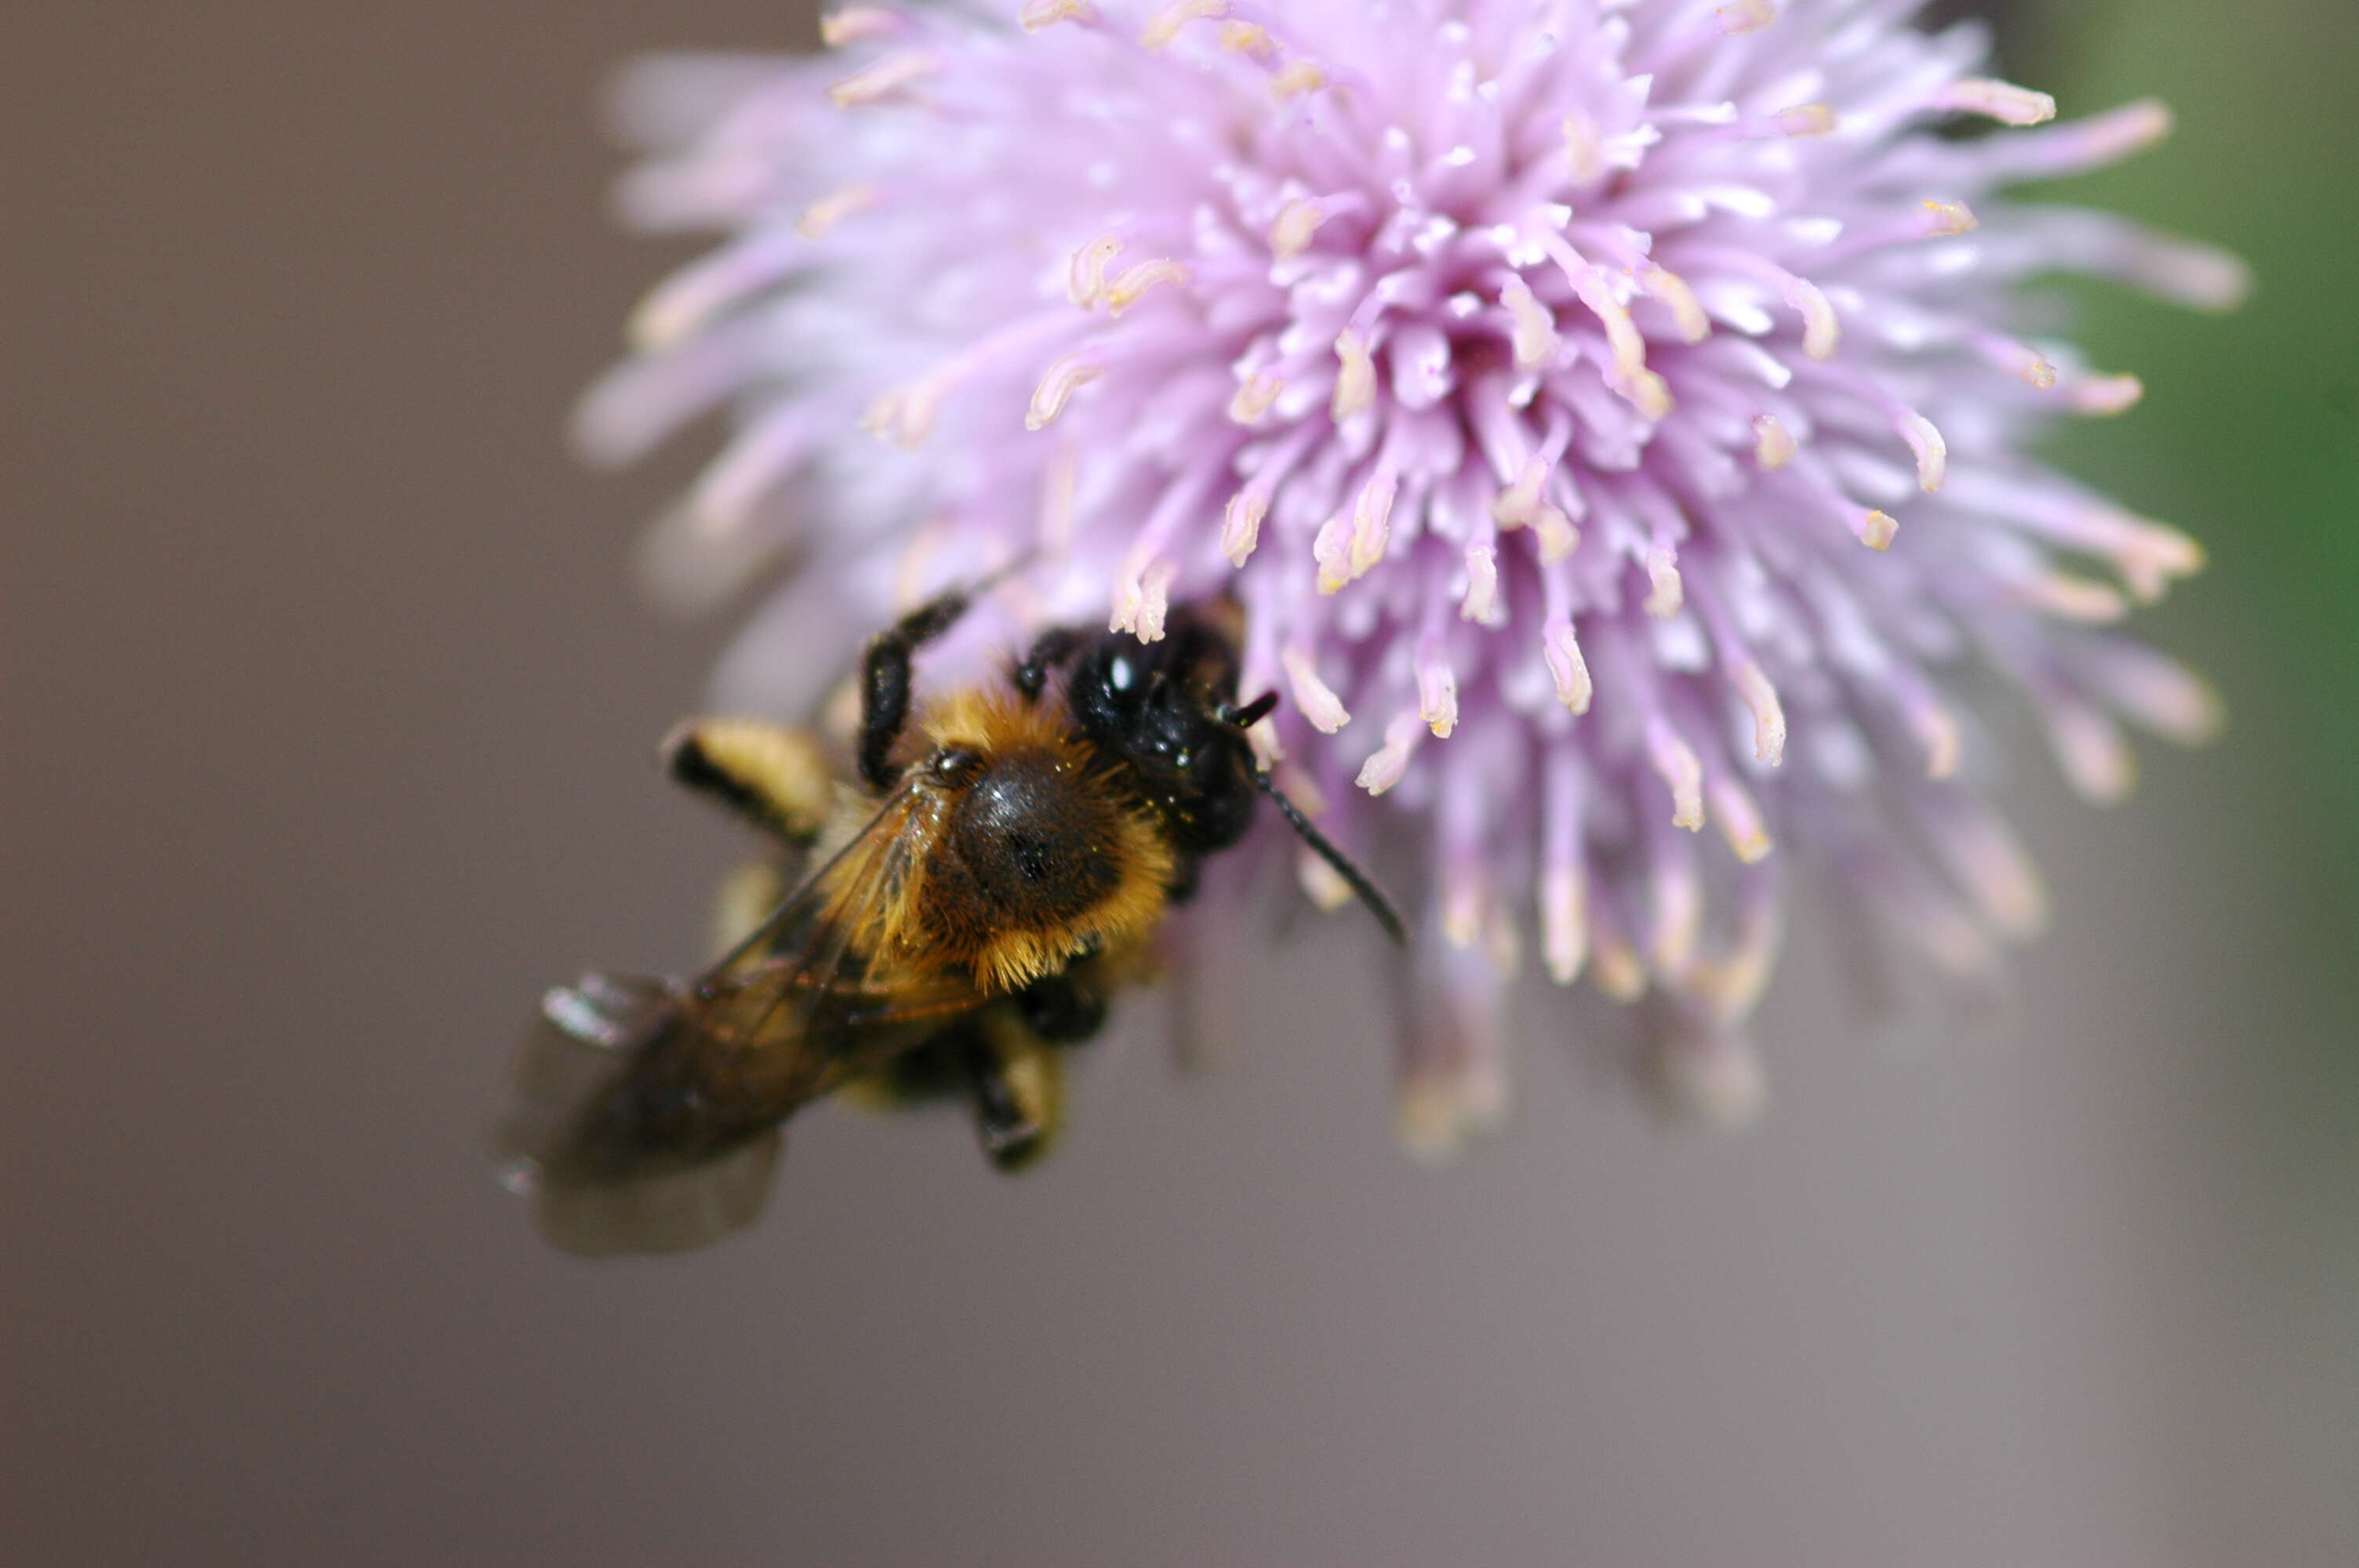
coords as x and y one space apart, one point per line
646 1109
584 1039
812 977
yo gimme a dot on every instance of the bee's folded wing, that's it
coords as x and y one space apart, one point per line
582 1040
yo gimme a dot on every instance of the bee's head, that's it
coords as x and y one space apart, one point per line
1158 710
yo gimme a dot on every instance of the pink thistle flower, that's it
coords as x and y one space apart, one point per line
1614 415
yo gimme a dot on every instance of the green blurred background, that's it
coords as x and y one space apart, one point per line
2249 438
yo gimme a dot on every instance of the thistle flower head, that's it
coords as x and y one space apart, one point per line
1614 415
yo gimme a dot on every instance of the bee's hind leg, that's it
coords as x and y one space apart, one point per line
774 775
1016 1087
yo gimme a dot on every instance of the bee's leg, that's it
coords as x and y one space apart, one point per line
776 778
1016 1087
885 680
930 1071
1063 1008
748 896
1050 650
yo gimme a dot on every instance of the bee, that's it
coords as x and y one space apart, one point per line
1000 867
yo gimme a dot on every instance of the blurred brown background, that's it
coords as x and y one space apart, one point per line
328 710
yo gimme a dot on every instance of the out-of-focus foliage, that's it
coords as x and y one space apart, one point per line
2249 435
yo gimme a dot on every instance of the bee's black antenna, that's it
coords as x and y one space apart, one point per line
1368 891
1362 886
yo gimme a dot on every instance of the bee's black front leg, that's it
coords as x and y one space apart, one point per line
885 681
1050 649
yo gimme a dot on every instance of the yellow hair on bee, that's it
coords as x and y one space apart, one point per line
1032 855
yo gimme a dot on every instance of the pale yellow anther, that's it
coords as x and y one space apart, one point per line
1744 973
1429 1121
2106 394
1515 506
1738 815
1086 274
1503 944
2036 370
2000 875
1372 515
1680 769
1297 221
1622 334
1535 335
1649 394
1464 898
1679 919
1437 700
1039 15
855 24
1931 449
1241 524
1768 713
831 208
1154 601
1744 17
1066 376
1164 25
1937 731
1314 697
2150 555
1584 147
1253 397
1142 601
1247 38
1300 77
1567 668
1615 966
1564 923
2170 699
1820 330
1355 377
1132 283
2070 598
1807 120
2130 129
1332 548
1386 765
1557 536
1322 883
1716 1081
904 414
1878 529
2095 756
886 77
1671 290
1946 220
1482 600
2000 100
1773 445
1667 591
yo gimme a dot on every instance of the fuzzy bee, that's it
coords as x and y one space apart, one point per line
1002 865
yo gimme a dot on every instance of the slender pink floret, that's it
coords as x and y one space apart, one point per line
1615 417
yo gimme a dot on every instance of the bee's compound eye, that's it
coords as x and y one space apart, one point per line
1120 674
955 765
